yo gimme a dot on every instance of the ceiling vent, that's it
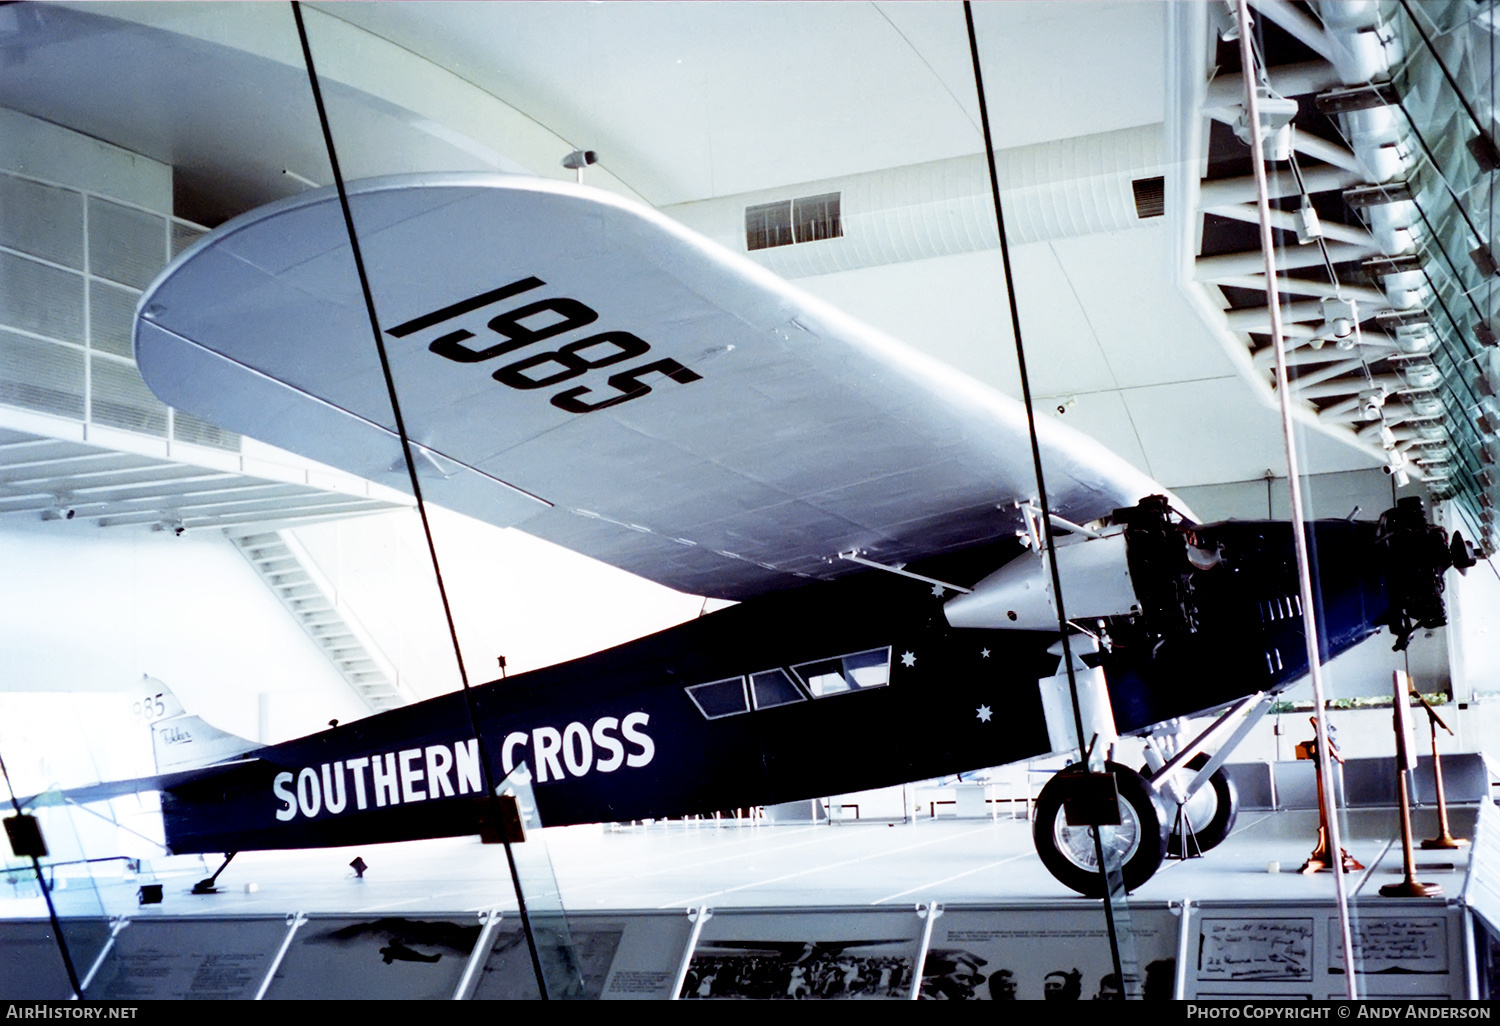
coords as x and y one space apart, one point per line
817 217
1150 196
768 224
785 222
1052 190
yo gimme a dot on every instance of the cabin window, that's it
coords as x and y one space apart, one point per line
772 688
721 698
858 671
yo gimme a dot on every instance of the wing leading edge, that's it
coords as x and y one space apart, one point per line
588 371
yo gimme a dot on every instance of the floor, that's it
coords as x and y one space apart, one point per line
686 865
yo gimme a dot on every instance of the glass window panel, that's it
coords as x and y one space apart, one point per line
121 399
46 300
39 375
125 245
188 428
183 236
42 220
111 318
721 698
772 688
854 672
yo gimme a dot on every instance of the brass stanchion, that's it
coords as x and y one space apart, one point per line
1444 839
1406 761
1322 854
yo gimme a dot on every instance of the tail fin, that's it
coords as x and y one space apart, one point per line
180 741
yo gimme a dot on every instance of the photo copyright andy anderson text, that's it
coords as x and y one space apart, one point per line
1353 1010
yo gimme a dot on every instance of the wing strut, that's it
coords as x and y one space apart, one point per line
853 556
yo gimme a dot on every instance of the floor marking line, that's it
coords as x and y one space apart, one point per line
704 898
950 879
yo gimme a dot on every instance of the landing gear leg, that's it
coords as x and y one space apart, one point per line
208 885
1205 819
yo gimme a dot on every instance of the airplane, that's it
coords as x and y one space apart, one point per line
585 369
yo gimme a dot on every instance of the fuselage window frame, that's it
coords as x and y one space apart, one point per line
791 680
851 685
744 697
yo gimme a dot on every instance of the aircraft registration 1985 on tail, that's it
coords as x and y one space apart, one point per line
586 370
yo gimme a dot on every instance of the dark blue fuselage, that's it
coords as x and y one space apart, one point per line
829 688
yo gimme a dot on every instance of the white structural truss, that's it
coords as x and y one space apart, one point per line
1380 192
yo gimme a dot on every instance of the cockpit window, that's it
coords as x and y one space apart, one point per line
721 698
772 688
858 671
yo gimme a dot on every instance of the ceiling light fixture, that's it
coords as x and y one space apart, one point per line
578 160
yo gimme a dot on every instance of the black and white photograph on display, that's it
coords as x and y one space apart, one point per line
1013 954
809 956
800 970
508 973
372 959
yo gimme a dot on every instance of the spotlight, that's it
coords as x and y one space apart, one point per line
1339 318
1276 114
578 160
1309 228
1397 469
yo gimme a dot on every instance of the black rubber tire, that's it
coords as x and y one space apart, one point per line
1226 809
1068 852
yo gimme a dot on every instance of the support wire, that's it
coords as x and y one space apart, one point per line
411 466
1036 459
1294 485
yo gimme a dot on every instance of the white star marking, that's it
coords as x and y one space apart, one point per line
983 712
938 590
908 659
984 653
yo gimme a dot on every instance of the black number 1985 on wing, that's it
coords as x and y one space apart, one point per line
545 369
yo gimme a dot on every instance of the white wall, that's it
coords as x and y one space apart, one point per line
91 609
1474 628
513 595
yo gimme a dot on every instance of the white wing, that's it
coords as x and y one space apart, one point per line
711 427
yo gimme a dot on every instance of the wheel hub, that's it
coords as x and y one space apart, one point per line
1076 843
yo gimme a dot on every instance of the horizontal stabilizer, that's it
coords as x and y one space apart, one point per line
117 788
186 742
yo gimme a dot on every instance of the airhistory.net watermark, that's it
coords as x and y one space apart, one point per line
69 1011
